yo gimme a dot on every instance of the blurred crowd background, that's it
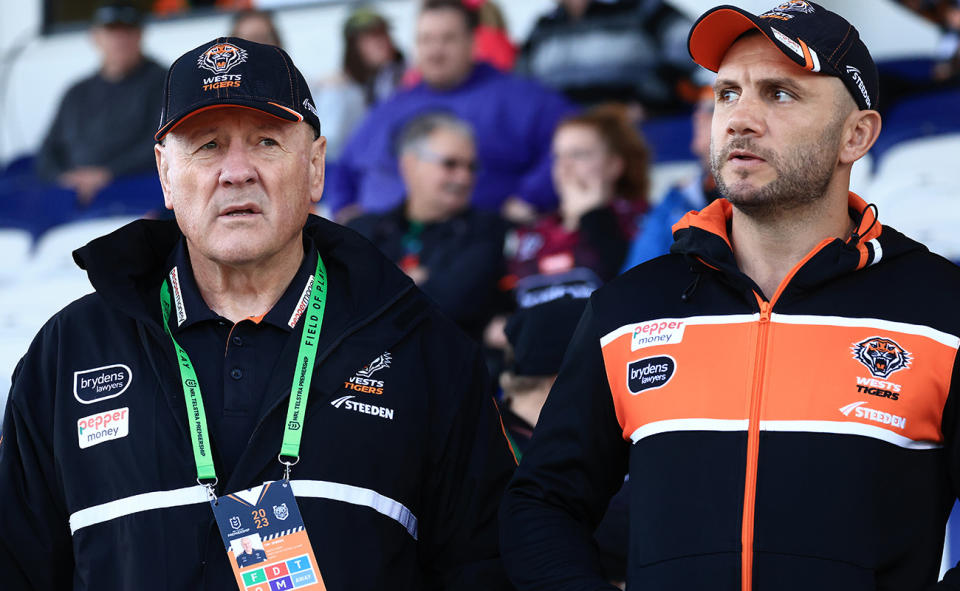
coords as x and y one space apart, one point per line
510 156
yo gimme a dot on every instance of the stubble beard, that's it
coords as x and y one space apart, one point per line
802 175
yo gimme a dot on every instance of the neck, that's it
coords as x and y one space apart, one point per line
237 292
116 72
768 248
528 405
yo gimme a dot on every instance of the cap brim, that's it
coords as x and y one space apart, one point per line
715 31
274 109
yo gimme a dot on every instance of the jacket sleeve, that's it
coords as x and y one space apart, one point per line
470 463
573 465
951 432
35 545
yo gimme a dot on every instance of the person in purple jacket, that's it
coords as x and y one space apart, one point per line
514 120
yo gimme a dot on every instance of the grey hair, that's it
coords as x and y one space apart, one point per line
418 130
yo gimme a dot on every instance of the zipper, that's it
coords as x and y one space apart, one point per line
753 448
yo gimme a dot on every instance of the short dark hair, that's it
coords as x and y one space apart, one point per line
470 17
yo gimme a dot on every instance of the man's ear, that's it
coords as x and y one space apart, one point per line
860 132
318 157
163 170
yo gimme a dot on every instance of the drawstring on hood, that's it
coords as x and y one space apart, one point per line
855 236
688 292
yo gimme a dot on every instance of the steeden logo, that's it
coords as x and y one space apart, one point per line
878 416
348 403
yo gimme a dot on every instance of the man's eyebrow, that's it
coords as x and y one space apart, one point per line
788 83
724 83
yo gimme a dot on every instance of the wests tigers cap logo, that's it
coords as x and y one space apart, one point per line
221 58
230 71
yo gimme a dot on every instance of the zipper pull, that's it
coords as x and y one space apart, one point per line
764 311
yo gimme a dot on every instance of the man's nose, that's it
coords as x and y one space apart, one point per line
238 168
744 117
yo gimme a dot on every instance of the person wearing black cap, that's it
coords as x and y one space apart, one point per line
104 125
248 342
783 388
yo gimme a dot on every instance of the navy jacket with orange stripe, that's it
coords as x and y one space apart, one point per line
398 485
805 442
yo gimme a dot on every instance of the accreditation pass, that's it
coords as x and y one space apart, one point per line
265 540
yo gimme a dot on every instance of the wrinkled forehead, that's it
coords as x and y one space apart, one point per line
232 119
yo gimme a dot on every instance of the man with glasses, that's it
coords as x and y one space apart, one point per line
452 251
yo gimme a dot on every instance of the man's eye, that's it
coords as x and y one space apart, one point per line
209 146
728 95
269 142
782 96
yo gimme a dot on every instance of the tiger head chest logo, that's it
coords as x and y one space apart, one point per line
881 356
221 58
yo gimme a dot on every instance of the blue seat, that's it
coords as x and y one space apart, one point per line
669 138
922 115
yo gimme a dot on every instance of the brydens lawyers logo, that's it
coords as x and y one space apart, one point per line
101 383
221 58
650 373
882 356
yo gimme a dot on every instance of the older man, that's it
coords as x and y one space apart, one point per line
783 387
452 251
247 343
513 119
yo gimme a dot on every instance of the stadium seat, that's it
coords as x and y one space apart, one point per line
15 244
669 138
53 255
665 175
923 115
919 163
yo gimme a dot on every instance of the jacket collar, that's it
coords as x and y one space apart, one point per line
128 266
703 236
194 309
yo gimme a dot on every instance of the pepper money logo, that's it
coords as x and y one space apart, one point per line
101 383
882 356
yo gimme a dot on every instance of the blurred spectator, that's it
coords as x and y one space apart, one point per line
655 233
631 51
256 25
513 119
450 250
105 123
372 70
538 338
600 171
491 40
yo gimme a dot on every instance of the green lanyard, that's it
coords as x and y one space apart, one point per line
299 389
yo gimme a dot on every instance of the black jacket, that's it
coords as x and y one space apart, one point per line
463 255
805 441
402 499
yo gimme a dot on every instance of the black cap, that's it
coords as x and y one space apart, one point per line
810 35
117 13
540 334
235 72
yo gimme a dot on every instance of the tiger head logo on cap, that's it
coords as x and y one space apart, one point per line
221 58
